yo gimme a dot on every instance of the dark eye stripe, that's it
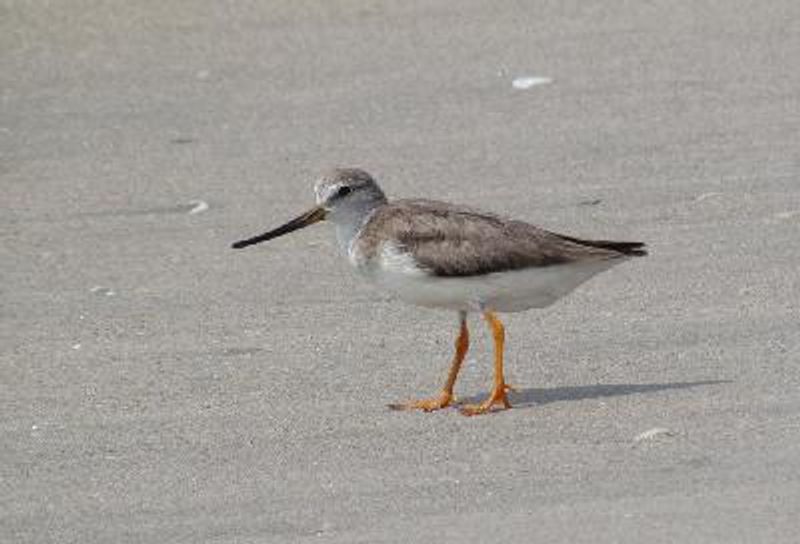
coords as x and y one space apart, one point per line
344 190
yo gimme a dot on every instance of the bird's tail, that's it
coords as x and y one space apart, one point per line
632 249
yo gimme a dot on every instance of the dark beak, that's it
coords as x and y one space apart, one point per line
312 216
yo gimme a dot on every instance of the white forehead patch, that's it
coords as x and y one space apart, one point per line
323 189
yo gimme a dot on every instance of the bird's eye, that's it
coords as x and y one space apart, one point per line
344 190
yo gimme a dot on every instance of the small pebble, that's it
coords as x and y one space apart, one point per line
653 433
198 206
706 196
527 82
100 290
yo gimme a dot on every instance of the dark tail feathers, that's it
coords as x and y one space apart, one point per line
634 249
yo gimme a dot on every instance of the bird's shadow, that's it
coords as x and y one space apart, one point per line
536 396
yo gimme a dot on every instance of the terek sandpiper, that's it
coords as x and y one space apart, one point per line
439 255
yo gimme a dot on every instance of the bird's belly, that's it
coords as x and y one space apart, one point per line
512 291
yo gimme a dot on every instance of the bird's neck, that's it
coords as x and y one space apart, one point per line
349 223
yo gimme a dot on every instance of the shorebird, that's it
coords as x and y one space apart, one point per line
440 255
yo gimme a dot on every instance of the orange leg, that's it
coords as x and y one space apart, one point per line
498 394
445 398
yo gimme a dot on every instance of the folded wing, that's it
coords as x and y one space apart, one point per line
448 240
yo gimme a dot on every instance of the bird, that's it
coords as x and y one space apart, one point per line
440 255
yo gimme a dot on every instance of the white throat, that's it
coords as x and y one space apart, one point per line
349 224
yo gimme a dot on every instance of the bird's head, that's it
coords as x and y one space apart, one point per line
343 195
345 192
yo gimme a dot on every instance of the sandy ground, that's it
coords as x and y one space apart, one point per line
156 386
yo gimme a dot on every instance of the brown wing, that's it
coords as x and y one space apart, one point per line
450 240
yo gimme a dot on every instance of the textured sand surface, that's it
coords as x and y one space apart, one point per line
156 386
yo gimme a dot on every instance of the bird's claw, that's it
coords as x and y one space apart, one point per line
444 400
497 396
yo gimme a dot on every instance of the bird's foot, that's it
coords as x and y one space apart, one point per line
498 396
426 405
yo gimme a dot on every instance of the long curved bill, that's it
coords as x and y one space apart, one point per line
312 216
